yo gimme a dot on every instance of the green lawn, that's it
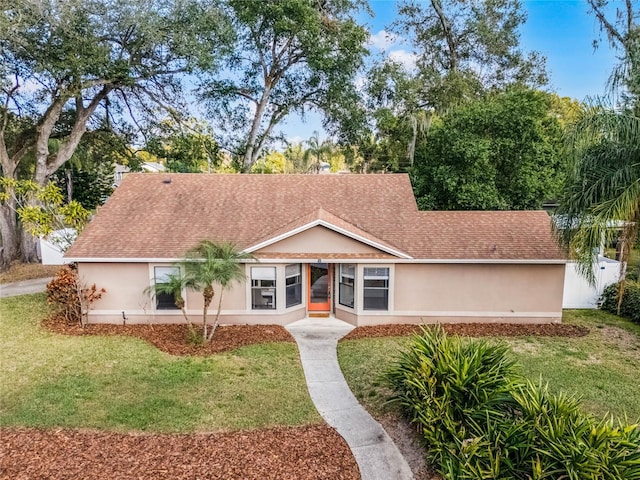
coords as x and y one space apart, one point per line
124 384
603 367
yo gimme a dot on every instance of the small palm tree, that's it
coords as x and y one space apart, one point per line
172 284
210 263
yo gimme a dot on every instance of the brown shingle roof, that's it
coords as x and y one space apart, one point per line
148 218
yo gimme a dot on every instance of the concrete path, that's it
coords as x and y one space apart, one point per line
22 288
373 449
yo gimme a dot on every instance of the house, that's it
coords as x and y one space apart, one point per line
351 246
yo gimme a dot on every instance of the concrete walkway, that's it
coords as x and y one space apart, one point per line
22 288
373 449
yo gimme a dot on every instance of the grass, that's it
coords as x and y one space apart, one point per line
602 367
18 272
125 384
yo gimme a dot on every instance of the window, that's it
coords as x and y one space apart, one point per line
293 274
347 283
263 288
376 289
164 300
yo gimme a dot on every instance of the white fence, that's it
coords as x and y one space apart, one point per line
578 293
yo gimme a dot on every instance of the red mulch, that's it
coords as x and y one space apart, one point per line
304 453
474 330
173 338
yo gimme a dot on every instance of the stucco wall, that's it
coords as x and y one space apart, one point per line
319 240
479 289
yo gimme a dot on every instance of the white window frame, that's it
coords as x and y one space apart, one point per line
286 277
341 274
262 272
152 282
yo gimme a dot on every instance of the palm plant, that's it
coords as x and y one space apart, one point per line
315 153
210 263
602 194
172 284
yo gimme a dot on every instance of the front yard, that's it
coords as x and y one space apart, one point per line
602 367
124 384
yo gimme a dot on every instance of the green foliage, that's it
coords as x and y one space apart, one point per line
499 153
453 37
211 263
482 420
289 56
69 297
188 148
41 208
630 305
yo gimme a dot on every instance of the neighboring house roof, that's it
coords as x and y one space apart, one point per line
153 167
162 216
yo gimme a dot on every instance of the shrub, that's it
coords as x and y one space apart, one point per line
442 381
481 419
630 306
71 299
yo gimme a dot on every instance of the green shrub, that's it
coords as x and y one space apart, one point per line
481 419
442 381
630 306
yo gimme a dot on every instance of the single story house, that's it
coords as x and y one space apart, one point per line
355 247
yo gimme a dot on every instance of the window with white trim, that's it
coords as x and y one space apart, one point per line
164 300
263 288
293 280
347 284
376 288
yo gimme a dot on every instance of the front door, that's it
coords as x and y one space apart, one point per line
319 287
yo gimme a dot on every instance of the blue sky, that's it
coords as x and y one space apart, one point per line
561 30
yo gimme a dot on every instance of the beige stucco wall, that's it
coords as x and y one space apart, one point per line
319 240
513 290
418 293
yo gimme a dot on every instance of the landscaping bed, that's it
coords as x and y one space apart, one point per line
474 330
309 452
173 339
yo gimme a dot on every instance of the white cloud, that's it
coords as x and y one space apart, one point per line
382 40
407 59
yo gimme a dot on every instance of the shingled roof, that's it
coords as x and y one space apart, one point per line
161 216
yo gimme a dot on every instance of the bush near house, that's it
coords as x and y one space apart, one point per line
70 298
481 419
630 306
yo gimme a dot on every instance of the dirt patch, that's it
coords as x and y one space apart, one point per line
18 272
173 339
304 453
474 330
407 439
624 340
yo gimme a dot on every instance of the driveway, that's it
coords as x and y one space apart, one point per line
22 288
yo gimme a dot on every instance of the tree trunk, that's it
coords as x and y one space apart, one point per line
252 152
9 236
215 322
29 248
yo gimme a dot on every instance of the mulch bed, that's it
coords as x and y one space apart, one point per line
474 330
304 453
172 339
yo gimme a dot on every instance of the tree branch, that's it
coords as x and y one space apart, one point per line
611 30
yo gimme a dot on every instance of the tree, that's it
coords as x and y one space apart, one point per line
466 47
210 263
289 56
74 58
498 153
187 147
317 151
602 189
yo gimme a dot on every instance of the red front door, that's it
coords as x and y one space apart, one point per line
319 299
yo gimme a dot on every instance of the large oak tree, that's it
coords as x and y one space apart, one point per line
78 58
